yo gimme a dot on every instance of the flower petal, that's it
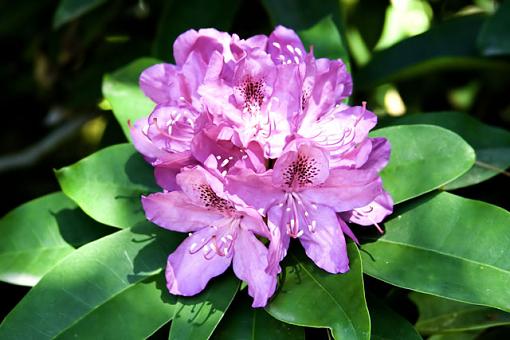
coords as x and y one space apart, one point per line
160 83
174 211
380 155
279 239
308 166
346 189
372 213
325 244
188 270
284 46
250 262
255 189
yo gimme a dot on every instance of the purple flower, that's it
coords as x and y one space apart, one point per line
301 196
222 231
249 131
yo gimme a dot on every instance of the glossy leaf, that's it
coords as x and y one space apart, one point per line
438 315
456 336
447 246
39 233
197 317
326 40
450 45
245 322
494 38
86 280
313 20
108 184
491 144
134 313
423 158
69 10
387 324
122 91
180 16
312 297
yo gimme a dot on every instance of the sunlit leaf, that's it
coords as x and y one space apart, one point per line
423 158
39 233
123 93
450 45
312 297
108 185
491 144
88 279
447 246
198 316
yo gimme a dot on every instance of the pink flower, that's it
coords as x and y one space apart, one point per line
222 231
301 196
252 129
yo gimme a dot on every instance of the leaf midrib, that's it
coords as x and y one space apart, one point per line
327 292
441 253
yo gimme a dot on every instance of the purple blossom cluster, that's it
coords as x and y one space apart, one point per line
252 146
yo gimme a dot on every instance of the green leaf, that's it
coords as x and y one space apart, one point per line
134 313
122 91
326 40
494 38
107 185
86 280
69 10
197 317
491 144
447 246
312 297
315 21
39 233
438 315
450 45
387 324
456 336
423 158
245 322
179 16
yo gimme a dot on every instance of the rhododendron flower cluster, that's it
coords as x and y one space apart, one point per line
252 146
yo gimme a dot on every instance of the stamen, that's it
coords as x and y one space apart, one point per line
300 233
277 45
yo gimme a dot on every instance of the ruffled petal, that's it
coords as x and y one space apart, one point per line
346 189
160 83
380 155
325 243
255 189
372 213
250 262
174 211
285 47
191 266
279 239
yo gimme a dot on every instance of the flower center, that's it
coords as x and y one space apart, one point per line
301 172
211 200
252 91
